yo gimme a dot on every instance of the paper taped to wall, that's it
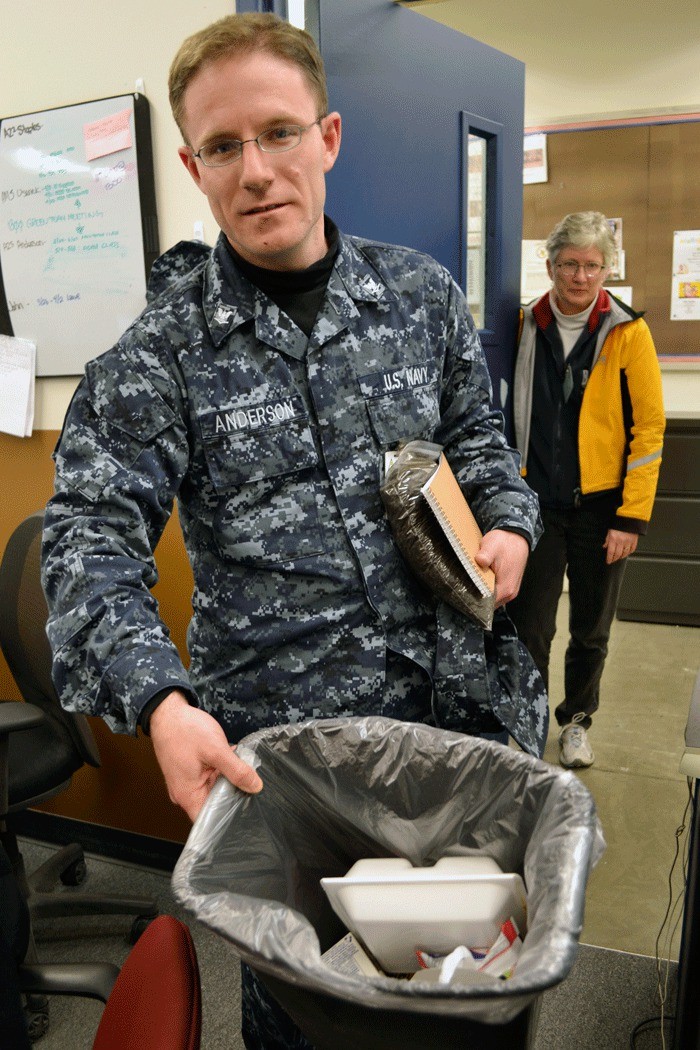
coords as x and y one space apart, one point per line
17 371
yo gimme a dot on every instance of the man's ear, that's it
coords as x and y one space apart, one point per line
331 131
190 162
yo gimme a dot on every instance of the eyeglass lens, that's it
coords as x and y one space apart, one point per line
276 140
571 268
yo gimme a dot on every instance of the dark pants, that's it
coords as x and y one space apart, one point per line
573 543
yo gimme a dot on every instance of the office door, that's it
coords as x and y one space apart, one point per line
432 152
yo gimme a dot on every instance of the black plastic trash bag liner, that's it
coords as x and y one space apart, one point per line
342 789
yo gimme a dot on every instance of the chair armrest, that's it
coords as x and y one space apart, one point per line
16 715
87 980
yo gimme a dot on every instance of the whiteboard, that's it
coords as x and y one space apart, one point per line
78 227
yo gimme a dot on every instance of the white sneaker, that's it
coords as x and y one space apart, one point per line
574 749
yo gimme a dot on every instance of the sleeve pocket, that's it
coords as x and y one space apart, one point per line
129 402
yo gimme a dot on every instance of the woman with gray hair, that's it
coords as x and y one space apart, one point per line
589 424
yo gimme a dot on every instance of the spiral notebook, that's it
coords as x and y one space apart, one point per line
446 500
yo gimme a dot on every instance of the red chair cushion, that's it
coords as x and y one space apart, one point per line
156 1001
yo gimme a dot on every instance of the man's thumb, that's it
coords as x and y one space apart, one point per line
240 774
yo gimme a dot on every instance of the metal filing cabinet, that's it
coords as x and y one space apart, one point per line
662 581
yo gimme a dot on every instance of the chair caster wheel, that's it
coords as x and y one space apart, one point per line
138 926
74 874
37 1018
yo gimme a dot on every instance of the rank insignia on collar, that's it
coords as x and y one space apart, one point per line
371 286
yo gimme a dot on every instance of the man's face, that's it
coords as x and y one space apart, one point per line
270 206
575 291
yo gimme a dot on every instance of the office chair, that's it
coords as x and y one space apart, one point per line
41 745
154 1003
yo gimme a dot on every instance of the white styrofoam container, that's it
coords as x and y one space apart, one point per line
395 909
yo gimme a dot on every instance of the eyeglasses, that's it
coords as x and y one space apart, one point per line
276 140
571 268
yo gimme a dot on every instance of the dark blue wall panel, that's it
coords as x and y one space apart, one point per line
401 83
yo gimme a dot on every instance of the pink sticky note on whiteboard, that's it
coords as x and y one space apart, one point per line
108 135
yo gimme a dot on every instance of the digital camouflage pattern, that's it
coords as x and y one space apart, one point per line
273 445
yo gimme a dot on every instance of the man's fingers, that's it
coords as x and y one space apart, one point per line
236 771
239 773
192 751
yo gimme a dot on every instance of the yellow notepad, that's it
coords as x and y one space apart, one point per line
454 515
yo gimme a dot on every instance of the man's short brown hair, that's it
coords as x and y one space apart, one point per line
238 34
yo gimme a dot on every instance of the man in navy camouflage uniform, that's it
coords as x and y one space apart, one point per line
262 386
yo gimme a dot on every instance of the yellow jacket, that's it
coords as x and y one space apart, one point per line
621 423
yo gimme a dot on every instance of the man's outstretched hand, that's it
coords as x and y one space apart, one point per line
192 752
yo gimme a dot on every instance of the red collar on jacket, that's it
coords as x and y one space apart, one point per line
544 316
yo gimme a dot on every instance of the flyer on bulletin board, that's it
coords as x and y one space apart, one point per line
685 286
535 159
534 279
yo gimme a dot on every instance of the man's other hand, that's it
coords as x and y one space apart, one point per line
192 751
506 554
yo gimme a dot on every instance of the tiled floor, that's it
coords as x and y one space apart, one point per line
637 737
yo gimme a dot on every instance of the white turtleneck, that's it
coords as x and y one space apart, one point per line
569 325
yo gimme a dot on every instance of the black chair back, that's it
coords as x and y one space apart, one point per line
23 615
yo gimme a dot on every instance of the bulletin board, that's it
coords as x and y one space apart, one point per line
78 227
645 174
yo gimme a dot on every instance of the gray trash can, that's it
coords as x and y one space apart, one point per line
343 789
